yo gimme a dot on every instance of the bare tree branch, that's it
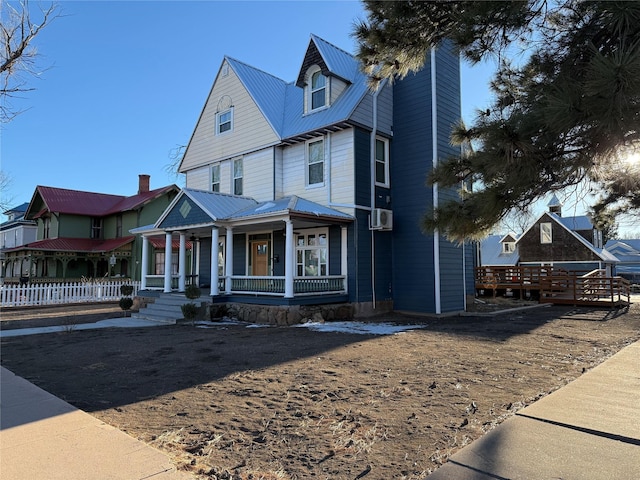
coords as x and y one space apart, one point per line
18 57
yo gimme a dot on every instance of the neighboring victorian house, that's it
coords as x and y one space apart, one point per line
312 191
16 231
628 252
85 234
569 243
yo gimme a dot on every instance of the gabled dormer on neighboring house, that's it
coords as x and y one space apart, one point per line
499 250
324 141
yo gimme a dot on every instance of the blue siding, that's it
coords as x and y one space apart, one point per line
239 254
362 153
411 162
177 218
205 262
278 246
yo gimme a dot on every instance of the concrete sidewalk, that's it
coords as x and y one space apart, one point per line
588 429
45 438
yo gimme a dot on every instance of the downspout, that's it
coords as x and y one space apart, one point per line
436 233
372 161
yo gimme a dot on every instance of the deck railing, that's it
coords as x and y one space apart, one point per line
33 294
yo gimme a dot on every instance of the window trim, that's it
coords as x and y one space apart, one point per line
301 265
387 181
219 122
546 233
310 90
307 163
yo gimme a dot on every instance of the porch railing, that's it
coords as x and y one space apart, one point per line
60 293
301 286
267 285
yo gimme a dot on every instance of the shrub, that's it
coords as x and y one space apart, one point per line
125 303
126 290
189 311
192 291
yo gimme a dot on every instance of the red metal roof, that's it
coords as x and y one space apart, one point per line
86 245
76 202
157 241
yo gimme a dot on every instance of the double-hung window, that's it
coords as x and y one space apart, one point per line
215 178
315 163
237 177
382 162
224 121
318 90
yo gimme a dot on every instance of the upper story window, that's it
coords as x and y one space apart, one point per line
315 162
215 178
546 233
96 227
119 225
382 162
237 177
318 90
46 227
224 121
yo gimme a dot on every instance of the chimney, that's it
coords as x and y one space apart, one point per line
143 183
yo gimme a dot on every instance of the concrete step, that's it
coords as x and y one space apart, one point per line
166 308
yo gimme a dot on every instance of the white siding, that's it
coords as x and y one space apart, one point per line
258 175
250 130
199 178
339 155
337 87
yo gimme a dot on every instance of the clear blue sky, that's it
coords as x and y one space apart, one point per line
127 80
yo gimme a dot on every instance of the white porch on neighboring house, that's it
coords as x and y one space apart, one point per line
262 226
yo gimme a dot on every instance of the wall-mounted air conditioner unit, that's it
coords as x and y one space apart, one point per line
381 219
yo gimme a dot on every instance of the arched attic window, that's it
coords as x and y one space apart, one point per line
316 89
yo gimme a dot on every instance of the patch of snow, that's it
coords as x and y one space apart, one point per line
125 322
359 327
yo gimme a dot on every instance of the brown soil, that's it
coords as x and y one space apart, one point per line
233 402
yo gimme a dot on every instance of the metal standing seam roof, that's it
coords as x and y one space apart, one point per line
289 205
86 245
282 102
491 252
217 205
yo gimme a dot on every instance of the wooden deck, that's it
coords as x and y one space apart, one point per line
557 287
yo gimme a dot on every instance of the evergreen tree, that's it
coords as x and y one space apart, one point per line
565 113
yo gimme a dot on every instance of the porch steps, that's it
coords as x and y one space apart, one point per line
166 308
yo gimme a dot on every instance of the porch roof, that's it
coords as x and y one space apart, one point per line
292 205
85 245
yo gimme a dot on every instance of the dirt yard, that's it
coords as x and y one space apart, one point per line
235 402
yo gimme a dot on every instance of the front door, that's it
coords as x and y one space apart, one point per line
260 258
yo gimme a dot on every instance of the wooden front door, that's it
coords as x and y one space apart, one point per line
260 258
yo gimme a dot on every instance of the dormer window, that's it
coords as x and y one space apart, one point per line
318 90
508 247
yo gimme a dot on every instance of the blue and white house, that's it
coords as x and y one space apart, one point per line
312 191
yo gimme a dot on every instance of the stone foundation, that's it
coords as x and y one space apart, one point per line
281 314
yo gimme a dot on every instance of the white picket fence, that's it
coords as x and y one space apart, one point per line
61 293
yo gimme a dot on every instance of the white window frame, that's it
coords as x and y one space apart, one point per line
308 163
215 168
220 122
235 177
385 161
307 250
546 233
310 90
508 247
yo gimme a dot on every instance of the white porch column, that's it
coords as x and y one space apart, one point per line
214 262
167 262
344 263
144 268
228 261
289 260
182 263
